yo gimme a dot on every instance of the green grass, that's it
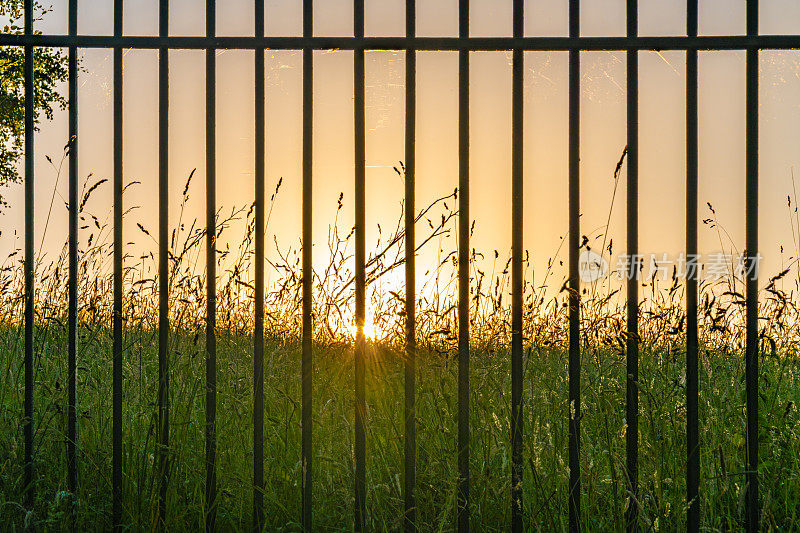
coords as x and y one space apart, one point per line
604 495
604 492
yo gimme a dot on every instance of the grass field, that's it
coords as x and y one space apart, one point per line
604 493
662 441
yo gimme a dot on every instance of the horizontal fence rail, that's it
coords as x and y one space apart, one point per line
434 44
464 44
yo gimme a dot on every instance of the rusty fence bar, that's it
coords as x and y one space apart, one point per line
632 43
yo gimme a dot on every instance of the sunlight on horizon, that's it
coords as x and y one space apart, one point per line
371 332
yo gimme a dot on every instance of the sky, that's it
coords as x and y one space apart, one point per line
603 123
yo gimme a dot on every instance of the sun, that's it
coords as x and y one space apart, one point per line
370 330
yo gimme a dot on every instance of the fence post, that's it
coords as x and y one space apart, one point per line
632 366
118 244
308 268
163 264
409 409
360 292
692 381
258 335
574 412
463 268
211 270
751 246
517 281
27 425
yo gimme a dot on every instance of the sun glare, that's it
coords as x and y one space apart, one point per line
370 331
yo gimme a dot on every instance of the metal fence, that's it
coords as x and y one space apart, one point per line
631 43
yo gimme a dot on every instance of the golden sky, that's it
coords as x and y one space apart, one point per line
662 134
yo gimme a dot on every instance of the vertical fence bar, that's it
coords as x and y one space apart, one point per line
211 271
692 381
30 491
574 292
632 365
410 506
463 270
117 347
258 333
72 325
308 267
517 282
360 411
752 260
163 264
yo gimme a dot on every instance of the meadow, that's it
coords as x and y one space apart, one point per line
662 441
662 449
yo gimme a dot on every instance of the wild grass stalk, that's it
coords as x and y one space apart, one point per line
662 385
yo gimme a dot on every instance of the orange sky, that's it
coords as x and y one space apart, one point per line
662 135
